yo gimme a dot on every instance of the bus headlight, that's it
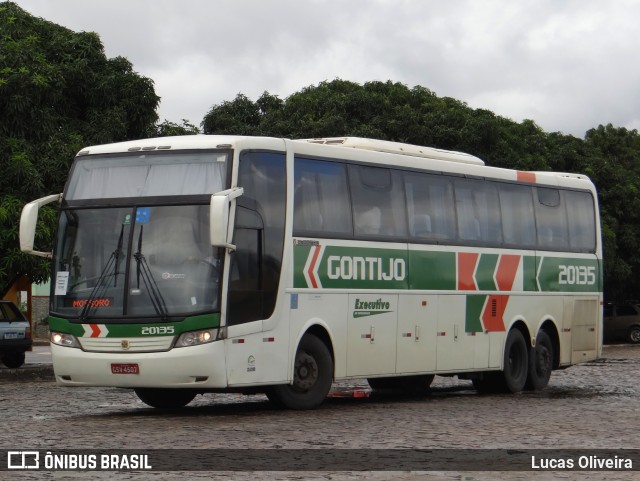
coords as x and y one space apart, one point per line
66 340
194 338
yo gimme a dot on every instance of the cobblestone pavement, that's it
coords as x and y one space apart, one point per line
594 405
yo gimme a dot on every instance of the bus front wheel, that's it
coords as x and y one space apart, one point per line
165 398
312 377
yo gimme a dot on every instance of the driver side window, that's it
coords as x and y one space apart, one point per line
258 236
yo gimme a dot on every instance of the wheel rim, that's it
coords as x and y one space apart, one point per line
306 372
543 360
635 335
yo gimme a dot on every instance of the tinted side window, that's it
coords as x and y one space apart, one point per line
477 211
582 225
516 206
551 219
259 237
430 207
321 199
378 202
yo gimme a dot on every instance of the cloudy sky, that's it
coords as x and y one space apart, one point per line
569 65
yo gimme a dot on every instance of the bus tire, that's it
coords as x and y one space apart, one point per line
312 377
540 363
516 362
165 398
416 385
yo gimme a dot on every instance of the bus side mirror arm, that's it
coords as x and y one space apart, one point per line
28 222
219 217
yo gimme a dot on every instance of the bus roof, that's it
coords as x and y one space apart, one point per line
216 141
398 148
406 155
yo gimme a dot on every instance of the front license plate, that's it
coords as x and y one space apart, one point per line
125 369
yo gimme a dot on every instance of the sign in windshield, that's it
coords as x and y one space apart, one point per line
147 175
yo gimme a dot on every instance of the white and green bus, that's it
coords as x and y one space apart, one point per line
196 264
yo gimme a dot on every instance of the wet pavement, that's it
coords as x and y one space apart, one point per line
595 405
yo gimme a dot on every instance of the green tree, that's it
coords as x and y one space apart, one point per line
615 169
167 129
58 92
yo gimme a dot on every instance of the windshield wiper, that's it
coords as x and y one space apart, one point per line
142 269
101 286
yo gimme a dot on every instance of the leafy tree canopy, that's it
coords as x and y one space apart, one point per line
58 93
167 129
392 111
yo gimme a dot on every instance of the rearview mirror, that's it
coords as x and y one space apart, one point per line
219 210
28 222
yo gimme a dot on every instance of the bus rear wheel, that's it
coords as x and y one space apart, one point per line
516 362
312 377
165 398
540 363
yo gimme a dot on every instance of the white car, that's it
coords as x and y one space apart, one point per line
15 335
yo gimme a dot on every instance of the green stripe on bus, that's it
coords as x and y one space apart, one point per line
568 274
485 271
204 321
300 255
432 270
474 305
349 267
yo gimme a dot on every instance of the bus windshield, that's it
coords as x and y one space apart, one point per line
151 261
133 236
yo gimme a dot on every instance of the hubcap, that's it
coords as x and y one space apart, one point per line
306 372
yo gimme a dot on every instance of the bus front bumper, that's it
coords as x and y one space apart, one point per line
200 366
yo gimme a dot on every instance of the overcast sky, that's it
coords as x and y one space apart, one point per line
569 65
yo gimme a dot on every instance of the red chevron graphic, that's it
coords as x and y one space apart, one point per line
493 314
506 272
466 267
314 259
95 330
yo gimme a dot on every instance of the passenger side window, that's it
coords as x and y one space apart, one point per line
477 211
378 202
516 206
321 199
551 220
430 207
582 226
